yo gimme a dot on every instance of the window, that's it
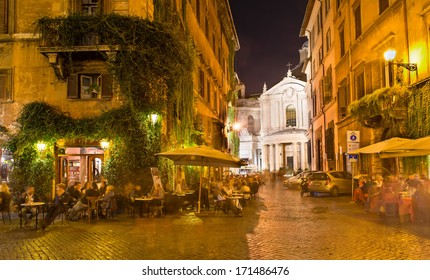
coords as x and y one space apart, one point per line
328 40
375 75
329 141
251 128
359 85
4 16
327 6
342 42
383 5
338 3
328 88
343 99
89 86
90 7
201 83
208 93
357 18
290 116
5 85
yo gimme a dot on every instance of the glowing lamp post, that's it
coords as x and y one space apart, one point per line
389 56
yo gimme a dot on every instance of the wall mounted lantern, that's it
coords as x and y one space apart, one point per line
389 56
104 144
41 147
154 118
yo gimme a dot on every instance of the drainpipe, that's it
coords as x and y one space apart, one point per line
405 22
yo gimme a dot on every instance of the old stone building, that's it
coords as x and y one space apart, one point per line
35 67
273 125
347 42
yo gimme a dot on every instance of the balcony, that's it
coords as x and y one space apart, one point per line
76 37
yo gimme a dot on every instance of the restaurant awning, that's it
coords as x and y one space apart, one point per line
412 148
382 146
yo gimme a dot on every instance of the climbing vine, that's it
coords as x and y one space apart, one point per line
152 63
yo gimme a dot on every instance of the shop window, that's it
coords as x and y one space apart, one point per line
89 86
5 85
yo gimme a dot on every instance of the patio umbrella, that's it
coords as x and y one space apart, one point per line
201 156
381 146
415 147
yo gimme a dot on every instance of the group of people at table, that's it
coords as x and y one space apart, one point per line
391 196
72 199
228 194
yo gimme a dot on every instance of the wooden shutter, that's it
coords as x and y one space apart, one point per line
106 86
72 87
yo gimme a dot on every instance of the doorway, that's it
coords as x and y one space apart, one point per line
80 164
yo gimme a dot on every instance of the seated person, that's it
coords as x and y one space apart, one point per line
58 206
137 192
105 202
157 198
29 196
82 203
74 192
5 196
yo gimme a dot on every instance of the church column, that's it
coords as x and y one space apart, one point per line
303 155
277 152
264 157
295 156
281 155
271 158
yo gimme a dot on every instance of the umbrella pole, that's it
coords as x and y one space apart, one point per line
200 190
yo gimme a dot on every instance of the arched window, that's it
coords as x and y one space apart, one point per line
251 128
290 116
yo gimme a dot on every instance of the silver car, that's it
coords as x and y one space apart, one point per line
333 182
295 181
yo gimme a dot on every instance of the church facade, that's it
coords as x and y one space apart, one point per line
274 127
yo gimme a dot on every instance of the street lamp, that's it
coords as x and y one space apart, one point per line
154 118
389 56
104 144
41 147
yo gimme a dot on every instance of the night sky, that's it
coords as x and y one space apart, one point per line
268 32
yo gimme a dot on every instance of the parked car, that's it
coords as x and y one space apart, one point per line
295 181
333 182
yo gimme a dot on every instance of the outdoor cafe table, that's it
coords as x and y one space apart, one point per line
405 208
37 206
145 203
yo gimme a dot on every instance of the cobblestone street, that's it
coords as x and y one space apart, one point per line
280 225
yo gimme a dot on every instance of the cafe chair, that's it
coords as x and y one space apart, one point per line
219 206
112 207
93 211
5 208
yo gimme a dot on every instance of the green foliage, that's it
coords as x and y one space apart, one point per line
386 105
418 122
153 66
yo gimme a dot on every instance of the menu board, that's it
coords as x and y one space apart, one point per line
156 176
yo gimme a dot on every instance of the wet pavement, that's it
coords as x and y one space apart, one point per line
279 225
